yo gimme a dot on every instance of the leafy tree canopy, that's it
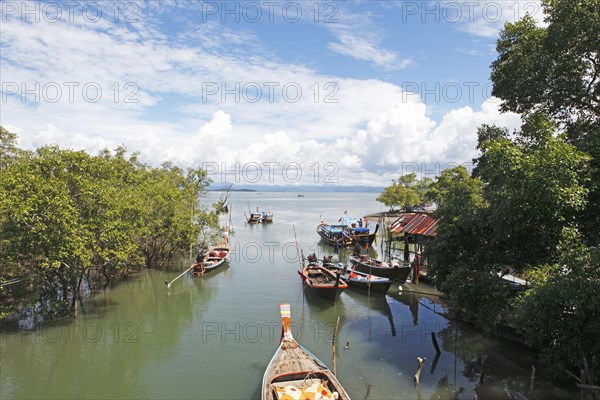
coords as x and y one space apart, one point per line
403 193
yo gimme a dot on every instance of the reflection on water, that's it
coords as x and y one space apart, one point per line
212 337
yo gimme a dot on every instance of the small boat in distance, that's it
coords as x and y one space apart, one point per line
267 217
300 195
255 218
295 373
322 281
212 259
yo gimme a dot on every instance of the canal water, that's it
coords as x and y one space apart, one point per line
212 337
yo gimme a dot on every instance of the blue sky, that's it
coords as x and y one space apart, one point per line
361 91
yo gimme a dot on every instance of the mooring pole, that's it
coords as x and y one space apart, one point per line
337 323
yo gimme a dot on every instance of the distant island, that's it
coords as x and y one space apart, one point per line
295 188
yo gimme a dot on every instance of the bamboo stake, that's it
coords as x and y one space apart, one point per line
337 323
298 248
191 225
421 361
531 382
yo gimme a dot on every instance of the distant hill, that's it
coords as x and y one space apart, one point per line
296 188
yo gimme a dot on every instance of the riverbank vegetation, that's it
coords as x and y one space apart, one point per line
531 204
73 222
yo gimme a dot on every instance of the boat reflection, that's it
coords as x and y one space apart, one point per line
360 302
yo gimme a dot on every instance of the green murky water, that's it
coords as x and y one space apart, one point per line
212 337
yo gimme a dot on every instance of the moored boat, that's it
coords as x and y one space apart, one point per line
267 217
346 233
363 281
295 373
212 259
383 269
322 281
254 218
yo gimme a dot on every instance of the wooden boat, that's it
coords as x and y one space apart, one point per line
383 269
267 217
363 281
326 262
212 259
322 281
295 373
346 233
255 218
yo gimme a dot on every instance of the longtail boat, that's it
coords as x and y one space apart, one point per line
322 281
363 281
392 270
346 233
295 373
267 217
255 218
212 259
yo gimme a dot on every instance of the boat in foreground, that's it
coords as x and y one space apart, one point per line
295 373
212 259
392 270
322 281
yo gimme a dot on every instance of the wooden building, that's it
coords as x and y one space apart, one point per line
411 232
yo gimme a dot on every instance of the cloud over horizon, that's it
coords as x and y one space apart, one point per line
176 91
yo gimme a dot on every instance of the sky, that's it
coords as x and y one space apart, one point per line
271 92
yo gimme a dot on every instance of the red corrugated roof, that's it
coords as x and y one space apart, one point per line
415 224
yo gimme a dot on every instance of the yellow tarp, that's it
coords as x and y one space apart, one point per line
316 391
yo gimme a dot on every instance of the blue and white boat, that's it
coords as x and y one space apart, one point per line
347 232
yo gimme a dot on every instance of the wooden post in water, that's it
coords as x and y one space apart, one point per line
421 361
531 382
333 367
191 226
482 374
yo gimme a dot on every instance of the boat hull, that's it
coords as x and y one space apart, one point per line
294 368
214 259
322 282
348 240
377 287
365 282
396 272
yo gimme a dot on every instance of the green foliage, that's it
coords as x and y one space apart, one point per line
66 216
460 207
518 214
533 204
8 149
520 69
402 193
535 189
483 297
561 314
554 69
423 189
